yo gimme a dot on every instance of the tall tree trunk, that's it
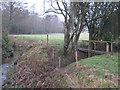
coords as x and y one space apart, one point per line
66 36
91 34
77 35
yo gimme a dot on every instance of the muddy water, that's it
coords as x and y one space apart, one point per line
3 70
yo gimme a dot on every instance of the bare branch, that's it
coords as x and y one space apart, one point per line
65 7
56 8
60 9
52 11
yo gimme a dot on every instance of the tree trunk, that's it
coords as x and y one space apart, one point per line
92 35
66 37
77 35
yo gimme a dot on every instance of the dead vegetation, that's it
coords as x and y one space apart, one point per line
37 65
70 77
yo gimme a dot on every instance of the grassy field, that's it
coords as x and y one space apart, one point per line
55 40
52 37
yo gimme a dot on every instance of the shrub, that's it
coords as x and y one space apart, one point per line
7 50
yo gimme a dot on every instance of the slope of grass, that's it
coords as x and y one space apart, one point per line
95 72
101 62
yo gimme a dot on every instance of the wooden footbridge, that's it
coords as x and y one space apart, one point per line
93 50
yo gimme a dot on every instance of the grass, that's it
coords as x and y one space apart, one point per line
84 77
55 40
109 62
100 62
81 77
54 36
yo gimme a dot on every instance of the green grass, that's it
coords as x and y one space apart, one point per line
52 37
106 61
100 62
83 76
56 40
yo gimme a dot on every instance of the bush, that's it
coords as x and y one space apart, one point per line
7 50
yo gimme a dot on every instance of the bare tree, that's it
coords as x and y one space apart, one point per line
11 10
63 8
77 15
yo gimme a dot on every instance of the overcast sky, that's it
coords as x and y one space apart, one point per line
39 7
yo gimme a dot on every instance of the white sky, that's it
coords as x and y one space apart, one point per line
39 7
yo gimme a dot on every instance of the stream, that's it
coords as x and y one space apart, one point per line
3 71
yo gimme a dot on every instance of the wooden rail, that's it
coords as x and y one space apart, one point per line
96 41
109 47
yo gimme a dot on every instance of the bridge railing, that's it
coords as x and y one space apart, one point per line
109 46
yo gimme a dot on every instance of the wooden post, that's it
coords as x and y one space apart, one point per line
94 46
107 47
59 62
47 39
76 57
89 50
53 53
111 46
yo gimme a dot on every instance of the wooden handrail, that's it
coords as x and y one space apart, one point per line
108 44
96 41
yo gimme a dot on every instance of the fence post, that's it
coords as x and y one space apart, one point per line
76 56
59 62
111 46
47 39
107 47
53 53
89 49
94 46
